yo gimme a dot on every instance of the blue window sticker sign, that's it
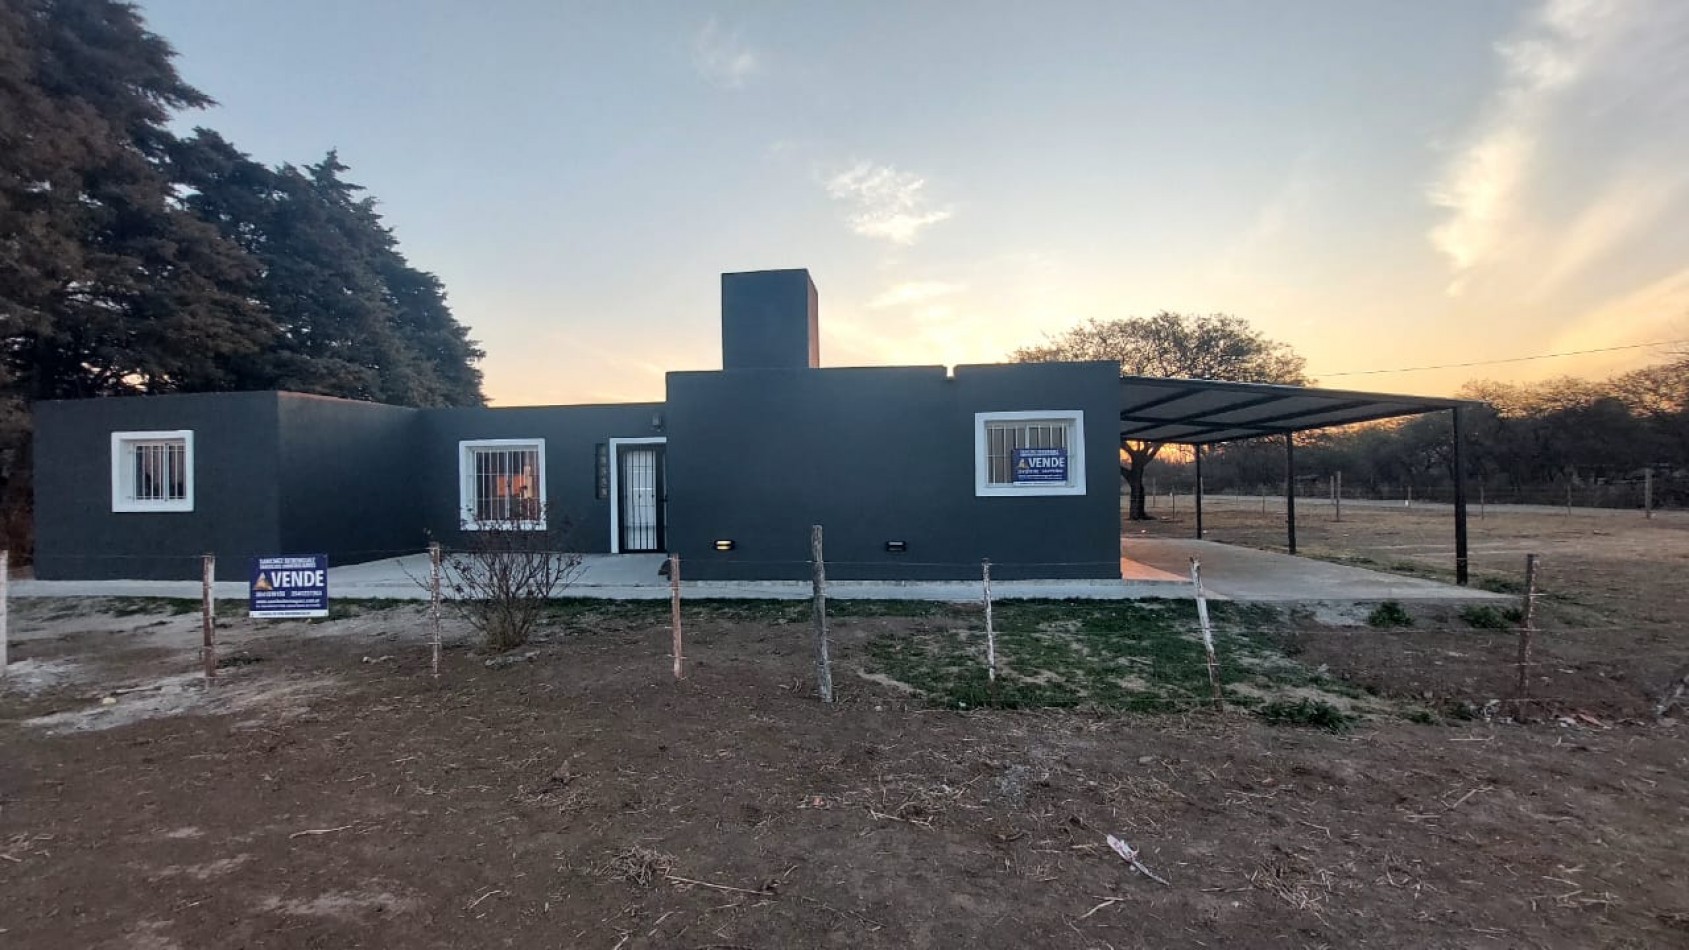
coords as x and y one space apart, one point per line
288 587
1039 466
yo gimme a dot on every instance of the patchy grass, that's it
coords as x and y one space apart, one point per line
134 606
1487 617
1306 712
1389 614
1136 656
582 613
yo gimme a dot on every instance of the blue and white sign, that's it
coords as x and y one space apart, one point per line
1039 466
289 587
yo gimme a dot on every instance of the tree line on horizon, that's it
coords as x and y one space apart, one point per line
1525 442
1591 441
135 260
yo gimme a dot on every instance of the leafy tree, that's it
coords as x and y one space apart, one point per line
133 261
1186 346
107 285
353 318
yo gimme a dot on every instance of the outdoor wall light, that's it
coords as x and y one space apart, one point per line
724 544
897 547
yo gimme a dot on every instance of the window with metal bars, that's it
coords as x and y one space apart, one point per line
152 471
1029 453
502 482
1002 438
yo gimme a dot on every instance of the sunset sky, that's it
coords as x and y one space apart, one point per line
1381 185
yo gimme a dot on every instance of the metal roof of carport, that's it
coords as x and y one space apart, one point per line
1206 411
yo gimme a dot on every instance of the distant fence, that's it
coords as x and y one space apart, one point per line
1629 494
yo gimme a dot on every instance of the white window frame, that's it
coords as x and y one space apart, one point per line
466 482
122 471
1074 419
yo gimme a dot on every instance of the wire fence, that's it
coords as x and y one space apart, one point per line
1638 495
1494 629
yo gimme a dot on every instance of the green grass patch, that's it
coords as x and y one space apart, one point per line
1487 617
1305 712
1389 614
1135 656
1500 585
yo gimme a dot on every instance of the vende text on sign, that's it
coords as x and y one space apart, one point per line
289 587
1035 466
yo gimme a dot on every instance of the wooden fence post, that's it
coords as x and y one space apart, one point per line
1648 493
434 559
1207 635
674 609
990 631
1337 496
823 665
1527 625
208 614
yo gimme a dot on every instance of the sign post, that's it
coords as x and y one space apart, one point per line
285 588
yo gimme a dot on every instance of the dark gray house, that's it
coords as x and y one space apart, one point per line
916 472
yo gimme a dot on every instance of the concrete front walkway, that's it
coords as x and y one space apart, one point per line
1149 568
1239 573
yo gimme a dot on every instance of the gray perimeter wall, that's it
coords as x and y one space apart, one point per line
236 495
878 454
570 433
348 480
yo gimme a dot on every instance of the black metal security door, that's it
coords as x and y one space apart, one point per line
641 498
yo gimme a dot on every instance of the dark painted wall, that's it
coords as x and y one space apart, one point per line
236 495
880 454
769 320
571 434
349 486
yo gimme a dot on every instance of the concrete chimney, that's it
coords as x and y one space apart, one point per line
768 320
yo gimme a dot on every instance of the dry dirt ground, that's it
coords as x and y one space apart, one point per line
1613 615
328 792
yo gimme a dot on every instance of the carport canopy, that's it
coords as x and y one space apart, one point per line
1207 411
1202 412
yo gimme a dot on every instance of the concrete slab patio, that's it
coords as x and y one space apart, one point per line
1249 574
1149 568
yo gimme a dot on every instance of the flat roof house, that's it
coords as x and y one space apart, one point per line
916 472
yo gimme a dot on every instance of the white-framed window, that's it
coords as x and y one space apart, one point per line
152 471
501 483
1039 452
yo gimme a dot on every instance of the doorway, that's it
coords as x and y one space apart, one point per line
639 496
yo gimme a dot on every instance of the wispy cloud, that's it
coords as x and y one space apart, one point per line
911 293
885 203
722 57
1483 187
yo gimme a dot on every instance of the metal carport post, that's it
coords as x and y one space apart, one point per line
1197 451
1290 490
1461 564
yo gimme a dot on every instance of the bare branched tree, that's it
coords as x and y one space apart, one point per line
1187 346
503 573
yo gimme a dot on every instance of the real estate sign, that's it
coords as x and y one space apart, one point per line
289 587
1040 466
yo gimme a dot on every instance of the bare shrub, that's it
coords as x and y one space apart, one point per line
504 572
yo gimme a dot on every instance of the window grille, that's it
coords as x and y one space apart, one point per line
503 485
152 471
1002 438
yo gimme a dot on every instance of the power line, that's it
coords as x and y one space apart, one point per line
1514 359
